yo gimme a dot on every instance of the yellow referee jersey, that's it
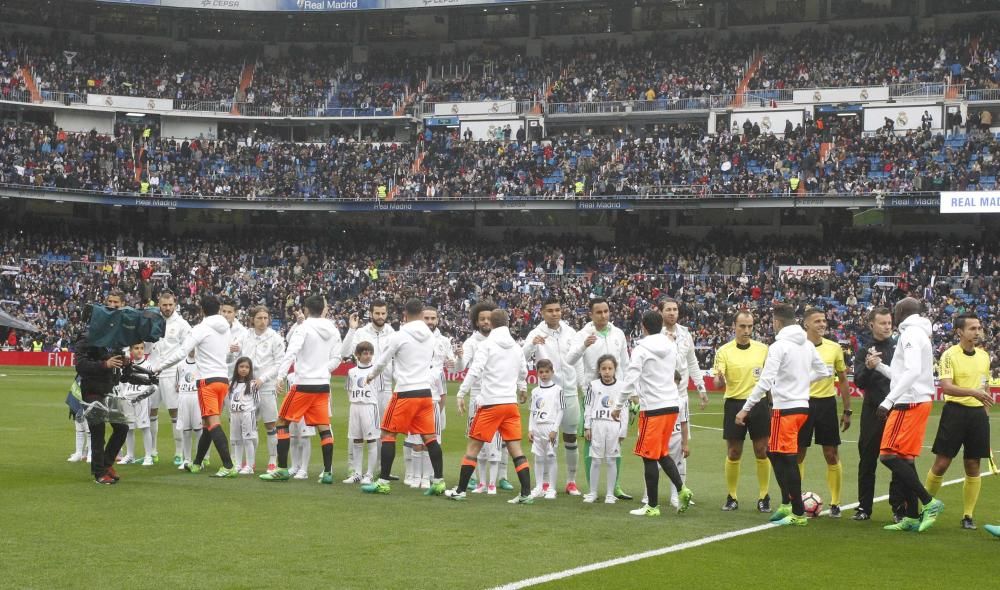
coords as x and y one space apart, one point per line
971 371
833 356
740 367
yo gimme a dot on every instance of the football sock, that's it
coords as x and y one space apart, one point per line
154 431
326 444
594 477
503 461
178 437
794 485
238 450
305 453
147 441
436 458
732 477
652 476
933 483
906 475
492 472
284 442
586 458
251 452
612 477
763 477
221 445
81 436
465 473
187 437
130 443
388 456
356 454
970 494
523 474
204 441
407 460
551 470
272 444
834 479
618 471
670 468
572 458
372 456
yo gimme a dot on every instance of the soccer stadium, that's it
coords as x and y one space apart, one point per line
430 277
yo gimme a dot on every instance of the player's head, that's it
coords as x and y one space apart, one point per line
600 312
228 310
969 328
743 326
880 322
479 315
137 351
499 319
243 371
552 311
210 305
115 299
544 369
669 310
652 323
431 317
315 306
814 322
783 315
261 318
413 309
906 307
364 352
167 303
379 312
607 368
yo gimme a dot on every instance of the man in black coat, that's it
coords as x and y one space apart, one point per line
96 367
875 386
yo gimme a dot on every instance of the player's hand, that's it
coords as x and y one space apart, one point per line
369 379
449 364
459 352
115 362
686 451
587 434
461 406
873 359
590 340
258 383
552 437
845 422
352 321
522 396
531 437
882 413
616 414
703 396
741 417
299 317
986 398
538 340
234 347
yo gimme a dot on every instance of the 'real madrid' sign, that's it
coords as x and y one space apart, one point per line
310 5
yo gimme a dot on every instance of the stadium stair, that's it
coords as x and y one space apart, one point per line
29 82
246 79
745 82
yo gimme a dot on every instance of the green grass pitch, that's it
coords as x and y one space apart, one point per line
164 528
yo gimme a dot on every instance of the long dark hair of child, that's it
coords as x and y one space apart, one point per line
236 371
606 357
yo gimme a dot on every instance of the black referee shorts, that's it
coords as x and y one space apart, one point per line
758 422
963 426
823 422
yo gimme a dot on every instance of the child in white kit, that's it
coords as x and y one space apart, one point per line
188 410
604 432
543 428
363 422
244 401
82 449
679 440
488 466
136 414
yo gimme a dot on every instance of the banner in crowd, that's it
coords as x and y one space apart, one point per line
311 5
970 202
129 102
490 107
800 271
831 95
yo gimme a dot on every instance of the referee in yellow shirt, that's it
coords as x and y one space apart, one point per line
737 367
965 422
822 420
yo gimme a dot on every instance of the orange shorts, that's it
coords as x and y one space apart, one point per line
655 428
489 420
785 427
904 430
409 412
211 394
314 406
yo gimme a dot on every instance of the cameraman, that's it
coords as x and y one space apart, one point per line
96 367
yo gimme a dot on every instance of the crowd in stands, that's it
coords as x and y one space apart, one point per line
828 156
49 276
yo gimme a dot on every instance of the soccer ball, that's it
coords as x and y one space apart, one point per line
813 504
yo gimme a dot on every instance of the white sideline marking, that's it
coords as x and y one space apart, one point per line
600 565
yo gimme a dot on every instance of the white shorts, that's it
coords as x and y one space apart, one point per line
242 426
268 409
491 450
384 397
571 414
363 422
413 440
166 394
188 412
137 414
542 447
605 439
675 450
300 430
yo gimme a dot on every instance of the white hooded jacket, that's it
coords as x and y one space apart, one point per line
499 369
314 347
379 340
650 374
911 372
410 353
556 349
792 364
210 341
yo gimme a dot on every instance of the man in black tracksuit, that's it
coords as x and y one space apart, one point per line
879 346
96 368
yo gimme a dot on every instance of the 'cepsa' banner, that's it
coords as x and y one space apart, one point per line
310 5
803 271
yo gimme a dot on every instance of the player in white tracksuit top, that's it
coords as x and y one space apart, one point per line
175 331
265 348
480 318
